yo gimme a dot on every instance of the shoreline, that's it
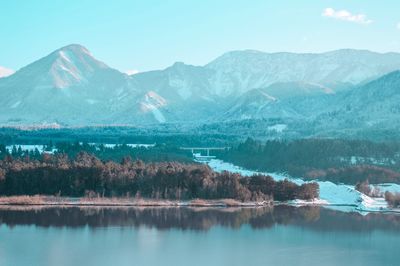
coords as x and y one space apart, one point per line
52 201
40 201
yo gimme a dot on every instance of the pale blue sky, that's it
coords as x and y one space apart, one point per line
153 34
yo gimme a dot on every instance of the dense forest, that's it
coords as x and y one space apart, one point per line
166 133
86 175
341 161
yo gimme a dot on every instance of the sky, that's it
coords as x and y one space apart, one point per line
132 35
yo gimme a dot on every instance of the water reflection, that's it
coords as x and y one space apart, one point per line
314 218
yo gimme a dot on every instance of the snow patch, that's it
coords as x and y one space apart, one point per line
91 101
5 72
16 104
31 148
390 187
158 115
113 146
278 128
152 103
75 75
131 72
269 97
65 57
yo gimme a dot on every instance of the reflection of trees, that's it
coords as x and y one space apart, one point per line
286 215
161 218
313 218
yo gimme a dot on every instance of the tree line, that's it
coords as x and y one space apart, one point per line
86 175
158 152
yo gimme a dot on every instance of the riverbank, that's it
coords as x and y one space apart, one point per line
39 200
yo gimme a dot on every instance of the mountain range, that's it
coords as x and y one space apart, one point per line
325 92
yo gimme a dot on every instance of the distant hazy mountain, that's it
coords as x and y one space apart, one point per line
240 71
186 92
220 87
279 100
71 87
178 82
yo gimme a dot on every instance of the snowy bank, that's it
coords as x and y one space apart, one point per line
335 196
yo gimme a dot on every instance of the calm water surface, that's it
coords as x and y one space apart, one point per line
169 236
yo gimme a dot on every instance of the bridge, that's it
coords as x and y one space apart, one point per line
207 149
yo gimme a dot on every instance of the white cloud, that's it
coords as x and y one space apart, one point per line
398 26
132 71
4 72
346 15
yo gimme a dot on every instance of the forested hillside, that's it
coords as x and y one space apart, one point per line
341 161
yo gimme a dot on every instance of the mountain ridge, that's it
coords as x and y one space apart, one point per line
71 87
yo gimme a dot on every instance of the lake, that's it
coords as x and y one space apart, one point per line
280 235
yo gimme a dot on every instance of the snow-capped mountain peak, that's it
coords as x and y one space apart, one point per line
73 64
63 68
63 85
